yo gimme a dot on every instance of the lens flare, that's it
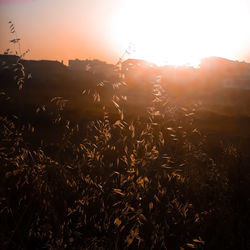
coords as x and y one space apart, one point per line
182 32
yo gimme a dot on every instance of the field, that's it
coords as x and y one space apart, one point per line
90 163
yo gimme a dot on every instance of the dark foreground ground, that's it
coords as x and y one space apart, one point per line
86 165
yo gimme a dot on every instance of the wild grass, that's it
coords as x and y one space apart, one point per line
140 177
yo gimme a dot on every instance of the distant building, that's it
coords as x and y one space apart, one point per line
180 75
78 65
97 67
9 59
226 73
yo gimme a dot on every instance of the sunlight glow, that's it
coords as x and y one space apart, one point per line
181 32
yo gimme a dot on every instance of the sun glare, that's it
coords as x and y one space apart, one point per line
181 32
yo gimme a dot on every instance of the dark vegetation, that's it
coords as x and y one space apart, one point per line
94 164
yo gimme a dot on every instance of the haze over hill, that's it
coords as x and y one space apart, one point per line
221 86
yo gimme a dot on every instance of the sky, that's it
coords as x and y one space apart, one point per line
160 31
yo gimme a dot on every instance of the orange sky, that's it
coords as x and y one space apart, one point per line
63 29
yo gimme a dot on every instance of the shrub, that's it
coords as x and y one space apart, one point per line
139 177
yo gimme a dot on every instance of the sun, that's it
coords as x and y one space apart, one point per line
181 32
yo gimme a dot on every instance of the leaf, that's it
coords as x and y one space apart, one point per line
122 115
116 104
118 191
117 123
117 203
199 241
150 205
170 129
117 222
143 217
56 98
156 198
190 245
126 149
20 86
129 240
